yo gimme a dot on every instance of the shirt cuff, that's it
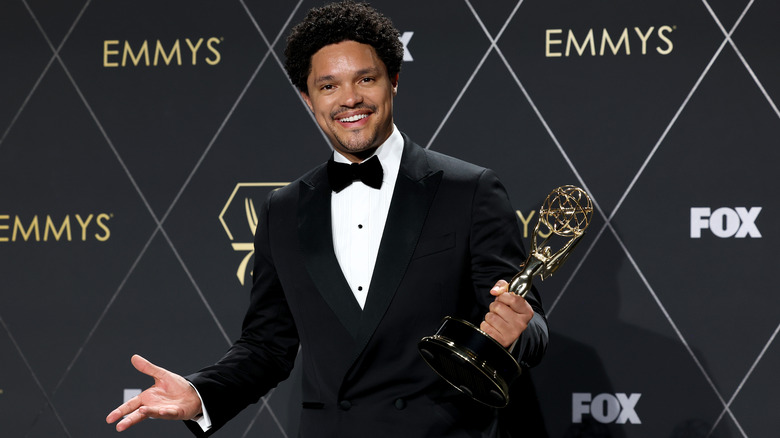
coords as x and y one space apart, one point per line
203 420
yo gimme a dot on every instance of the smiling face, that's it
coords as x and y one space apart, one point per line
351 96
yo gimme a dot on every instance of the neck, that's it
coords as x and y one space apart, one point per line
361 156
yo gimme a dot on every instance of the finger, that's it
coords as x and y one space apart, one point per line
504 324
499 315
147 367
500 287
162 412
517 303
496 334
131 419
517 314
124 409
486 327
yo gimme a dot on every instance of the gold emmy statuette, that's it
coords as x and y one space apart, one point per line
468 358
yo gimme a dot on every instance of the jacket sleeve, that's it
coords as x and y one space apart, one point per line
265 353
497 253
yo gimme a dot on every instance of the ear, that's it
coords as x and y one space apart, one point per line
394 83
307 99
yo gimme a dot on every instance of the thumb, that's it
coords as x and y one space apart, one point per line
147 367
500 287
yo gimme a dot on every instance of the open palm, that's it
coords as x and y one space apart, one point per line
171 398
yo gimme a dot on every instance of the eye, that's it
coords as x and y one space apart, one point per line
366 80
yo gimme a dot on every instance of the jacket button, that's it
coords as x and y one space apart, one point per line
345 405
400 404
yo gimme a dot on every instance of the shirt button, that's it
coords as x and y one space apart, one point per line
345 405
360 226
400 404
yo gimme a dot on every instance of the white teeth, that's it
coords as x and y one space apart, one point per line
353 118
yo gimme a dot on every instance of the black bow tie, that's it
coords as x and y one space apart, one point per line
341 175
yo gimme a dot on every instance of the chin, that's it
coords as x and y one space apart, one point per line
356 147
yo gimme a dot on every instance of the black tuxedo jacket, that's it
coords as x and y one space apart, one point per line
450 235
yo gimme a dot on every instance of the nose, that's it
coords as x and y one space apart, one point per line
351 96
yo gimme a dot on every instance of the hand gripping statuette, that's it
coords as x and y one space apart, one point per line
468 358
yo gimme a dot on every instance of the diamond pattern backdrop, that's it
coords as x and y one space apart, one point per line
135 136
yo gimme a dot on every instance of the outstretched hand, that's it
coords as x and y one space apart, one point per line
170 398
508 317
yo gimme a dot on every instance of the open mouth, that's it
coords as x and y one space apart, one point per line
353 119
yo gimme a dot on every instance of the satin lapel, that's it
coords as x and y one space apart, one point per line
315 233
412 197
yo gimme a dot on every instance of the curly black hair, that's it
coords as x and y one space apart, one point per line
337 22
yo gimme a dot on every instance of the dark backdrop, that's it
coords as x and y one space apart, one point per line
137 137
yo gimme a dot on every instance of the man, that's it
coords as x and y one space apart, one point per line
357 273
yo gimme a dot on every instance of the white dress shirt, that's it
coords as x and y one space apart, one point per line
358 216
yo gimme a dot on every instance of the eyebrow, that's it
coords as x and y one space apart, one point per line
361 72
